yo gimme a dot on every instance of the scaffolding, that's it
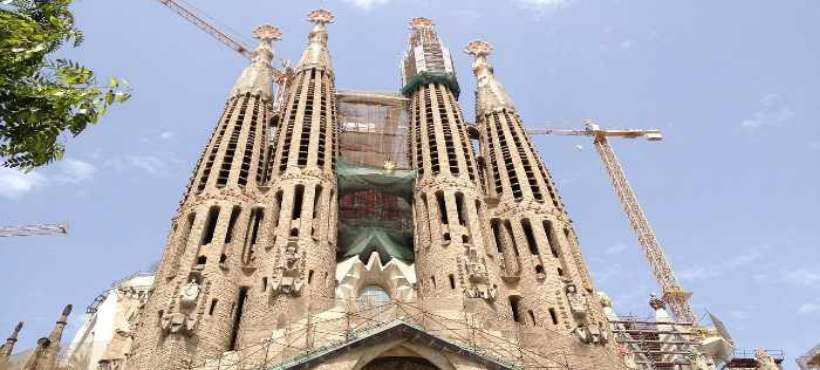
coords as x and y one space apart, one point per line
657 344
493 341
374 175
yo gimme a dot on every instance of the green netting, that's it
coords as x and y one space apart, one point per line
352 178
423 78
362 241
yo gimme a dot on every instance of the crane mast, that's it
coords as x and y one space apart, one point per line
676 298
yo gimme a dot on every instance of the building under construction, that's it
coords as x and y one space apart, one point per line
376 230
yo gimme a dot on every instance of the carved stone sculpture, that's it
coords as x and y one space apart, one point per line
189 293
765 361
289 275
474 276
578 303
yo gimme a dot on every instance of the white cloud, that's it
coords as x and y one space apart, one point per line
74 171
802 277
366 4
774 112
14 183
703 272
165 135
148 163
542 7
627 44
809 308
616 248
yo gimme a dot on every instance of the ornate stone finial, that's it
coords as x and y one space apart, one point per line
655 302
478 48
321 16
17 329
420 22
267 33
66 312
604 299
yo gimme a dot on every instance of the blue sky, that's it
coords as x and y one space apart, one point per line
732 191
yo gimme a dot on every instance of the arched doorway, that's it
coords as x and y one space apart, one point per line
400 363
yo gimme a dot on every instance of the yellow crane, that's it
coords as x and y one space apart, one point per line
676 298
28 230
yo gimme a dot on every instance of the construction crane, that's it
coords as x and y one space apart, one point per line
196 17
28 230
676 298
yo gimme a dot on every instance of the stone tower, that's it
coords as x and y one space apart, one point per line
7 348
545 275
451 262
200 285
296 274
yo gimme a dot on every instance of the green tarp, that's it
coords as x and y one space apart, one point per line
424 78
352 178
362 241
362 237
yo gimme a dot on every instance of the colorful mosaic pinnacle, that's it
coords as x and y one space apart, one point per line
267 33
321 16
478 48
420 22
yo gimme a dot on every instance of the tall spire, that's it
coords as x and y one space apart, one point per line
257 78
426 59
44 356
57 333
6 349
316 53
490 93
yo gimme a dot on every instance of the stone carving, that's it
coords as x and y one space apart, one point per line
765 361
289 274
474 277
595 334
178 322
180 316
189 294
578 303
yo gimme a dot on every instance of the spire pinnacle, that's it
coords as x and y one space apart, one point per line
478 48
321 16
316 53
420 22
490 94
267 33
7 348
257 78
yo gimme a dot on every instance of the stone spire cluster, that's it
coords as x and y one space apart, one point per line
251 245
254 253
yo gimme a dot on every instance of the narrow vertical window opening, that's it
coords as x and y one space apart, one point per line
514 302
531 243
442 207
210 225
553 316
213 307
231 223
237 319
462 214
298 196
452 281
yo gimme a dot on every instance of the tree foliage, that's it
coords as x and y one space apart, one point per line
44 99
